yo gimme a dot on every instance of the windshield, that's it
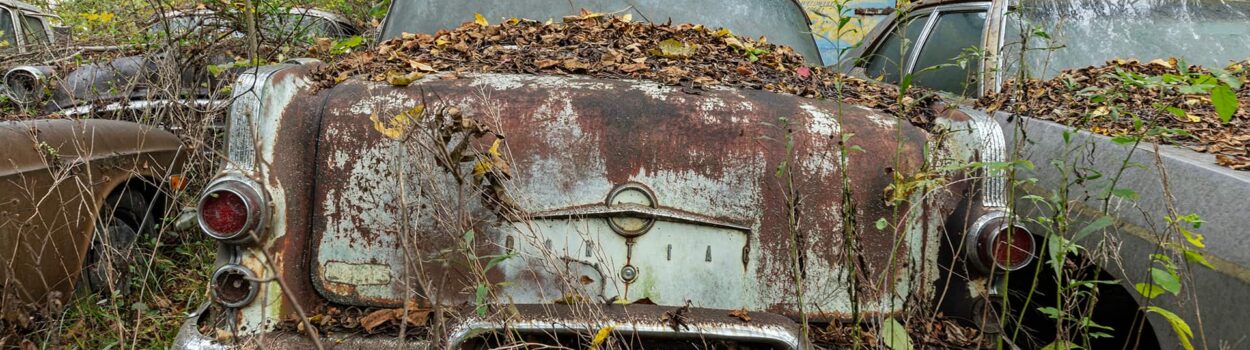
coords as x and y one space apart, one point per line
1092 32
781 21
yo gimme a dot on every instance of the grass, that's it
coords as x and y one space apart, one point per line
161 297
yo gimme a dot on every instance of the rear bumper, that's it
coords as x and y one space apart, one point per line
636 324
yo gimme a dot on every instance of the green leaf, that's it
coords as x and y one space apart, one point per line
1148 290
1226 77
1225 101
1197 257
1126 193
1194 239
1061 345
905 84
895 335
496 260
1124 140
480 300
1092 227
1183 332
1054 246
1166 280
468 237
1052 312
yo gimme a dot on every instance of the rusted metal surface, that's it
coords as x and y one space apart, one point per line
622 191
54 177
633 322
712 155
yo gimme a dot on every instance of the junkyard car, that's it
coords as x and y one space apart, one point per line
1074 34
632 207
74 197
143 82
23 27
298 22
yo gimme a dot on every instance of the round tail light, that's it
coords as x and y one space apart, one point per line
995 246
234 285
231 210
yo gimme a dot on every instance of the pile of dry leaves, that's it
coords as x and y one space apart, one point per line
1207 110
594 44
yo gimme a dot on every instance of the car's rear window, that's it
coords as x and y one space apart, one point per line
1085 33
781 21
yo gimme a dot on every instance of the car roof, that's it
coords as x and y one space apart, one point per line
308 11
931 3
23 6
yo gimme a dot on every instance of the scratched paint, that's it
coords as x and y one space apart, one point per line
381 215
569 147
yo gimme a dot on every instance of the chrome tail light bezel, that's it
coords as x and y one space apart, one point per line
979 242
256 207
244 276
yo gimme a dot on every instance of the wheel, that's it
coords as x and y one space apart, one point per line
1114 308
124 217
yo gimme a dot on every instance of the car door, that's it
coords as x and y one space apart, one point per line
937 46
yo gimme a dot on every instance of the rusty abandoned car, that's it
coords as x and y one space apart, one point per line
466 209
144 82
23 27
75 195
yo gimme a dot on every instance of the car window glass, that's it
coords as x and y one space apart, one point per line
1084 33
8 39
33 31
884 62
953 33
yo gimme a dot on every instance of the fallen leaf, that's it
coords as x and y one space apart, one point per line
600 337
630 68
574 65
376 318
481 21
421 66
544 64
741 314
671 48
400 79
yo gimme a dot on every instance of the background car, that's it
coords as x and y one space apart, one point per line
75 195
970 48
298 22
23 27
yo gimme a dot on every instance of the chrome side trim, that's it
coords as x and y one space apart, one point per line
139 105
250 89
638 211
776 335
993 147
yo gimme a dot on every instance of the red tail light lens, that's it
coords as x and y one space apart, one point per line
995 246
1012 248
224 211
231 210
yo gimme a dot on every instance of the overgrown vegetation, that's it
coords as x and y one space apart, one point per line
169 267
1136 104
